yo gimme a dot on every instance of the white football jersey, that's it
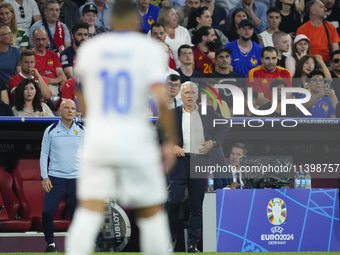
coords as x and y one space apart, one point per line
116 71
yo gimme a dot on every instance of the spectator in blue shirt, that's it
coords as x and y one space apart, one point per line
257 13
148 14
320 105
245 54
60 145
9 56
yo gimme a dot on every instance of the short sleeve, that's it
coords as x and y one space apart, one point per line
66 60
67 34
35 8
56 60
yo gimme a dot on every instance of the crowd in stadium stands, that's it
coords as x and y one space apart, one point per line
228 40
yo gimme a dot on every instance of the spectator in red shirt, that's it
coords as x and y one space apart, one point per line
28 70
47 62
204 50
260 77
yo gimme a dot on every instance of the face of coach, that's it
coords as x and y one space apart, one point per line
189 92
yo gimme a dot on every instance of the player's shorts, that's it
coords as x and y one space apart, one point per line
134 177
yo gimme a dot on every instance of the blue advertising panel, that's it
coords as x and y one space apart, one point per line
277 220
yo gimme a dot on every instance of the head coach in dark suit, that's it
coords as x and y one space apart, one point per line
197 140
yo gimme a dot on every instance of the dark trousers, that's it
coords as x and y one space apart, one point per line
179 180
62 188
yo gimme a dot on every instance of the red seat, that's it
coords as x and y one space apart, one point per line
11 206
27 182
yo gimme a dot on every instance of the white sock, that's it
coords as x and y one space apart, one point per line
154 234
84 229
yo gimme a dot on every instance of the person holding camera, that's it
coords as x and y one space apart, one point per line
28 70
320 105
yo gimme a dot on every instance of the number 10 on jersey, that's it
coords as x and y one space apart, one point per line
117 91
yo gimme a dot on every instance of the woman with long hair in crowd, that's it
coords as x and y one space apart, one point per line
175 35
236 17
304 66
301 47
28 100
7 16
201 17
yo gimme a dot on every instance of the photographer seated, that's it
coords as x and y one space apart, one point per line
234 179
323 98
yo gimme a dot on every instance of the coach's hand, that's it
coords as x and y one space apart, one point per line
178 151
47 184
207 146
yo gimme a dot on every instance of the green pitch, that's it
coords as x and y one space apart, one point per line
203 253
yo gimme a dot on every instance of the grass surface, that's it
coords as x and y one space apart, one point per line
203 253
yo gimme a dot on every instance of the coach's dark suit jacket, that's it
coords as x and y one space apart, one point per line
180 174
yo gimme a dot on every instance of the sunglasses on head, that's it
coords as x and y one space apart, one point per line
22 13
336 61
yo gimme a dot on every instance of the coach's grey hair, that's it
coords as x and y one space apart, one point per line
189 83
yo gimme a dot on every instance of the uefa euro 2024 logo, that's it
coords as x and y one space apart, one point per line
277 214
276 211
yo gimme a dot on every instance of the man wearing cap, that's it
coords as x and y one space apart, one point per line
301 48
260 78
148 14
80 33
58 33
104 11
316 30
90 16
245 54
256 12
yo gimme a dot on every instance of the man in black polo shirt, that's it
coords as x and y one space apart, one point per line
79 34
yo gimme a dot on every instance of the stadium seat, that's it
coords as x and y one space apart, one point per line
27 182
11 206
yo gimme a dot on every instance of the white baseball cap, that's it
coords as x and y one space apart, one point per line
300 37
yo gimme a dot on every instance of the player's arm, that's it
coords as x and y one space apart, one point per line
81 102
166 118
